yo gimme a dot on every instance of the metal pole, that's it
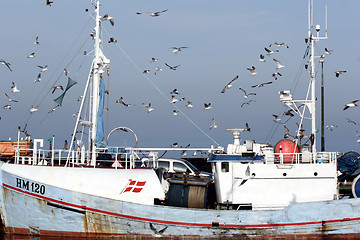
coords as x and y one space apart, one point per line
322 107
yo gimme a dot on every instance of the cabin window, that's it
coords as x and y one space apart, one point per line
163 164
179 167
225 167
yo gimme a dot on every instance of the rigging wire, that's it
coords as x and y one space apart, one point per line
159 90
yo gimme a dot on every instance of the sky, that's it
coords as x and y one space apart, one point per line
223 39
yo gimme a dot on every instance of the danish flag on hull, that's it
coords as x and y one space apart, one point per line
134 186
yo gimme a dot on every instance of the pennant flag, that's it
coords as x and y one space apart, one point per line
135 186
68 86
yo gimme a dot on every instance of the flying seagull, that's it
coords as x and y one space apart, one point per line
32 55
14 88
330 127
172 67
7 106
146 71
189 104
207 106
112 40
260 85
177 49
36 41
3 62
38 79
33 109
289 113
66 72
53 89
213 124
43 69
252 71
154 59
121 100
328 51
279 44
10 99
248 102
277 119
149 108
157 70
230 84
48 3
262 58
245 94
152 14
275 75
351 104
175 113
173 99
351 121
337 73
107 17
269 52
278 64
175 91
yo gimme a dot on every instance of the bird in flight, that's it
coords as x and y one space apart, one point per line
149 108
175 113
14 88
32 55
10 99
337 73
177 49
207 106
351 104
38 79
262 58
33 109
260 85
189 104
121 100
279 44
328 51
245 94
157 70
330 127
213 124
3 62
252 71
247 103
175 91
277 118
43 69
107 17
172 67
278 64
230 84
275 75
48 3
269 52
173 99
53 89
36 41
152 14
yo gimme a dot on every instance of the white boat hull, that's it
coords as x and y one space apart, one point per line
56 211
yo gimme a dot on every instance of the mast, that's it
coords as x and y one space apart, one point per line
95 84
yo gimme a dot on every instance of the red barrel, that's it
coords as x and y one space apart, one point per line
287 148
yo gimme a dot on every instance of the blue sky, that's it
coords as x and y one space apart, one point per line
224 38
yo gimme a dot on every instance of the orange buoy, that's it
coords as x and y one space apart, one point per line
287 148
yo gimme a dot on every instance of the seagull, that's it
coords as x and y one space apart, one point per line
351 104
337 73
252 70
43 69
287 132
351 121
10 99
177 49
175 144
276 73
154 60
175 91
33 109
53 109
230 84
36 41
328 51
172 68
278 64
189 105
157 70
279 44
175 113
56 87
107 17
152 14
247 129
262 58
260 85
248 102
146 71
112 40
79 98
38 79
3 62
207 106
66 72
48 3
288 113
7 107
32 55
277 119
246 95
14 88
173 99
149 108
269 52
121 100
213 124
181 99
330 127
247 176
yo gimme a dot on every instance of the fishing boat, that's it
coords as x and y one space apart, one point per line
94 190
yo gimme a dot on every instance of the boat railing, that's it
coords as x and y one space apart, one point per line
303 158
115 157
